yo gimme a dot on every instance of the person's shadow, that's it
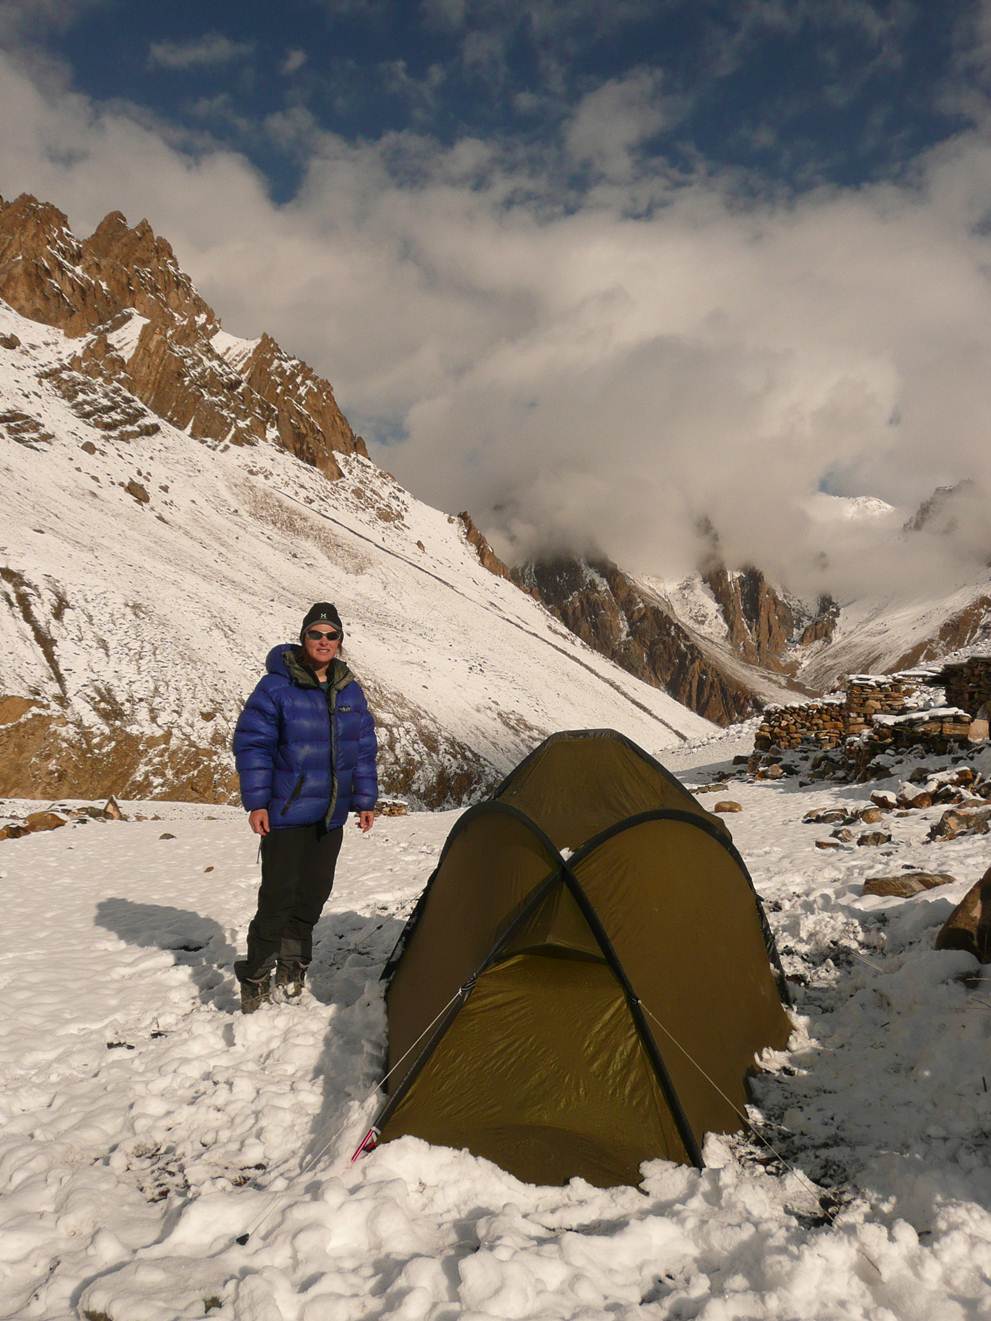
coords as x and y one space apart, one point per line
349 952
195 942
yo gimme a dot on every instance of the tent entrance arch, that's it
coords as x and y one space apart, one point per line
591 886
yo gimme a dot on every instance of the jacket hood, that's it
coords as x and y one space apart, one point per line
284 660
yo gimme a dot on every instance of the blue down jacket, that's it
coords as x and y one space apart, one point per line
305 755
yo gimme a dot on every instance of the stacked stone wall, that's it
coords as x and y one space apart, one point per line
870 695
968 684
822 723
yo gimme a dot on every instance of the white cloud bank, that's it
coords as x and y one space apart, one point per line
607 371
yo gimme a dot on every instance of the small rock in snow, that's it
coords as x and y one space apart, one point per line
906 884
874 839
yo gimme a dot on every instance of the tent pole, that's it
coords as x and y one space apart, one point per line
636 1012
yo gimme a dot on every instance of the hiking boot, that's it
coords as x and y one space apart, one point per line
290 977
255 991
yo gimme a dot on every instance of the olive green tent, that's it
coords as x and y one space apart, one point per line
586 978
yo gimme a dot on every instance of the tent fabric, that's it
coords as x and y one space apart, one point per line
591 889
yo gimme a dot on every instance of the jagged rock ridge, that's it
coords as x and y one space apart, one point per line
637 628
142 325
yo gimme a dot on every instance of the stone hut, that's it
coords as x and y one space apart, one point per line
876 711
968 686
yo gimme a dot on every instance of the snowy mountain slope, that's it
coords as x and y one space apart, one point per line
881 635
146 1124
871 631
147 574
693 603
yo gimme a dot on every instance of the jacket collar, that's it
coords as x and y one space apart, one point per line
287 661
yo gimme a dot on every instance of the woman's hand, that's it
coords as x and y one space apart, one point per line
258 821
365 821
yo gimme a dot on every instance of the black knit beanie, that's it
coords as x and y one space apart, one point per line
322 612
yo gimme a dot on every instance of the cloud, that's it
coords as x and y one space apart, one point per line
22 20
211 49
612 121
599 367
292 61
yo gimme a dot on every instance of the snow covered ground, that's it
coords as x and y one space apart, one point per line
147 1124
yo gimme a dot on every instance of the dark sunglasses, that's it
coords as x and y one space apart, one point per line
315 635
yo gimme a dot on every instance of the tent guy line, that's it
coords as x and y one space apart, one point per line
310 1164
491 610
751 1127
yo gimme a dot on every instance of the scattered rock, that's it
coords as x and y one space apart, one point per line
137 491
871 816
827 815
828 844
946 793
9 342
111 810
774 773
206 869
741 760
906 884
912 797
874 839
955 822
165 835
391 807
88 447
884 800
12 831
727 805
35 821
88 813
920 775
969 925
843 833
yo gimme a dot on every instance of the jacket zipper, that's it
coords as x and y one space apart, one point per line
331 709
294 795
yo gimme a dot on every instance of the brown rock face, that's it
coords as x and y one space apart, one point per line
760 623
606 609
94 288
483 550
969 925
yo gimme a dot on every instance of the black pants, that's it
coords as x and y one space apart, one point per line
297 877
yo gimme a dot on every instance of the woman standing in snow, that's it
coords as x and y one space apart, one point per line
305 748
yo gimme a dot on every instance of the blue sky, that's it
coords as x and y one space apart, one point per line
594 271
797 93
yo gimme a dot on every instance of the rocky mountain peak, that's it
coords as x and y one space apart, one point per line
142 324
140 270
36 226
40 258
